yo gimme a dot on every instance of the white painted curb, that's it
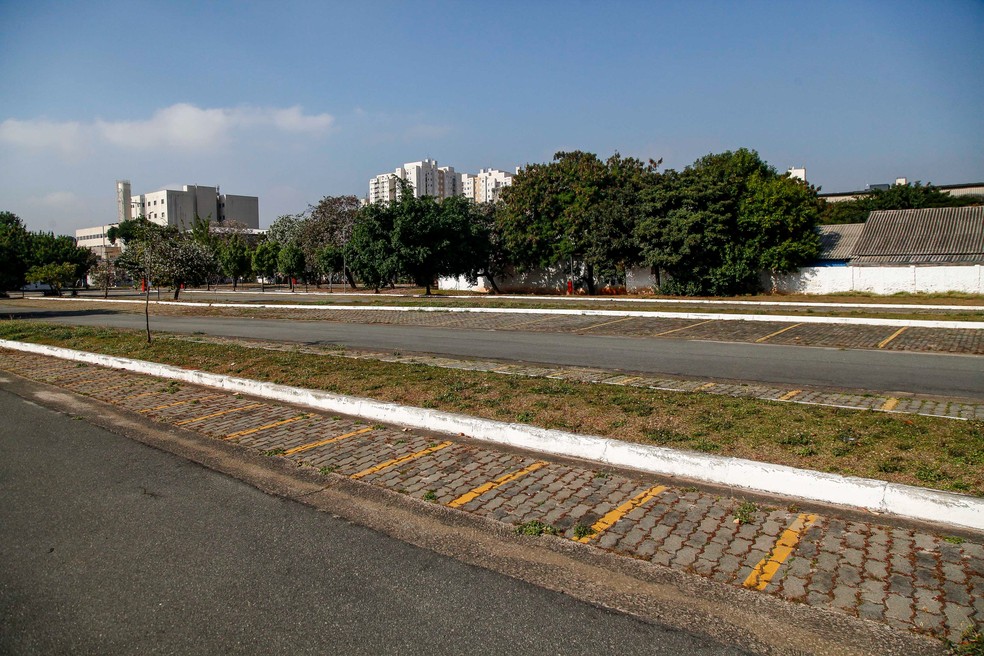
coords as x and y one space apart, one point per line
902 500
774 318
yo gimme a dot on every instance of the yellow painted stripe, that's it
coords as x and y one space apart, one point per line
884 342
768 566
890 404
778 332
177 403
675 330
314 445
217 414
396 461
612 517
705 386
265 427
491 485
630 380
607 323
790 394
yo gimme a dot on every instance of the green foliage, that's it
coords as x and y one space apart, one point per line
896 197
290 262
714 226
235 258
536 528
265 258
46 248
56 276
167 257
420 238
576 208
14 252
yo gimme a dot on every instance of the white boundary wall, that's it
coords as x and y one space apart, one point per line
879 280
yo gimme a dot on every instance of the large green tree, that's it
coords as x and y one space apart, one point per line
576 208
235 259
713 227
46 248
14 252
265 257
290 263
328 224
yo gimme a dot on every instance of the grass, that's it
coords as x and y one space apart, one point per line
535 528
926 451
971 644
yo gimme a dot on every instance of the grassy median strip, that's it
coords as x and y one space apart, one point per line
926 451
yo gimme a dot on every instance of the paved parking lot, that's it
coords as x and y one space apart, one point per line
933 340
898 574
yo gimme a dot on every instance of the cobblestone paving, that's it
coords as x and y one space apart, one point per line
907 578
943 340
845 399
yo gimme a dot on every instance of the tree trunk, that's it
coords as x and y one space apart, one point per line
589 279
351 278
491 279
147 310
427 289
177 290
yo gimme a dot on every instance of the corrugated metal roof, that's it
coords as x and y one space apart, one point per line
837 241
929 236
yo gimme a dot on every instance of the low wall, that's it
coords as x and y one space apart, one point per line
878 280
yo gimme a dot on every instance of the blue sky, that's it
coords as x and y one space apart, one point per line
294 101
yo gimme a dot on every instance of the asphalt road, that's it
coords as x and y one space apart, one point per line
949 376
110 546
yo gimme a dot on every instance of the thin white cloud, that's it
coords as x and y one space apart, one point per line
42 134
181 127
58 200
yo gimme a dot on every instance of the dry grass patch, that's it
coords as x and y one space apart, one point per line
927 451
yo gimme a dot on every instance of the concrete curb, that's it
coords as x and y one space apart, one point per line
902 500
652 314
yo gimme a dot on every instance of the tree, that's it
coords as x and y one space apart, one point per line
104 275
369 250
290 262
285 229
329 223
14 252
46 248
235 259
54 275
265 260
717 224
896 197
576 208
328 260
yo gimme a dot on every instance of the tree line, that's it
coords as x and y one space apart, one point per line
709 229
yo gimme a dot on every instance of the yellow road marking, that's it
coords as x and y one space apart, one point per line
171 405
217 414
491 485
705 386
884 342
607 323
396 461
778 332
314 445
260 428
890 404
675 330
768 566
788 395
630 380
612 517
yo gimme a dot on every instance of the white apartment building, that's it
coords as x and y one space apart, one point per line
486 186
428 179
179 208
